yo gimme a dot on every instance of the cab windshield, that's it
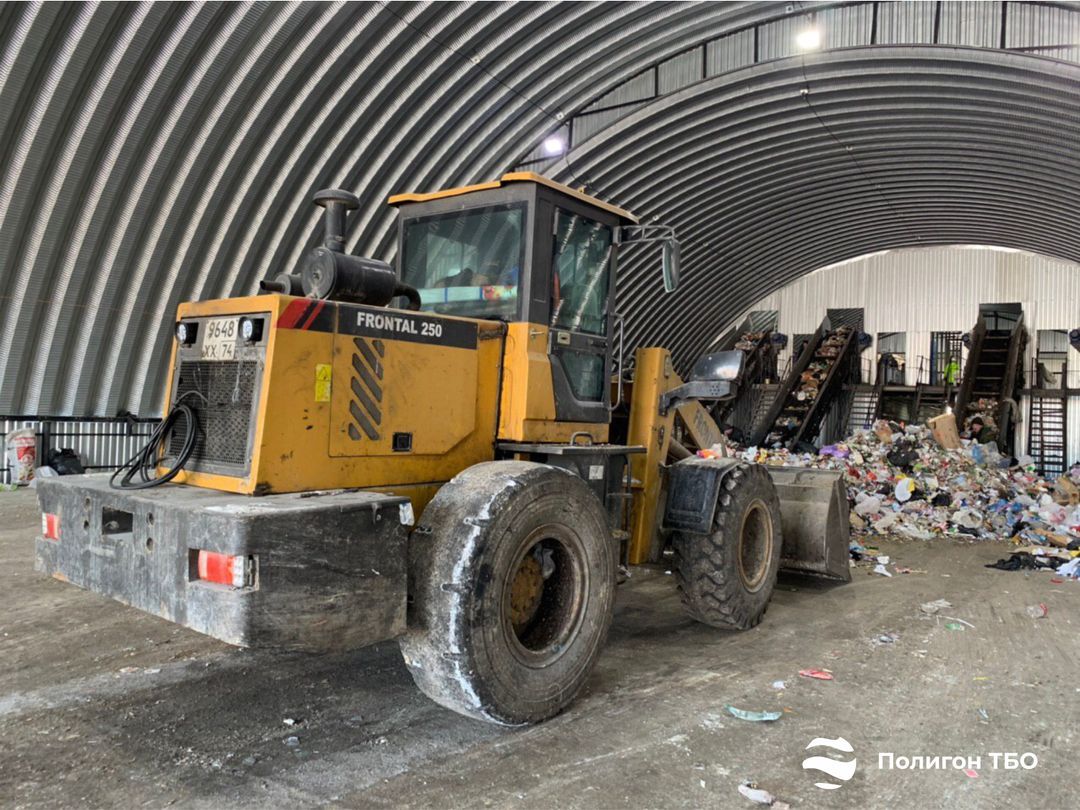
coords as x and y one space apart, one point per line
467 263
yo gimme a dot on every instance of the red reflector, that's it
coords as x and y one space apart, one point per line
50 526
222 569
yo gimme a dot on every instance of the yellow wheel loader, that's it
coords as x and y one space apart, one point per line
465 473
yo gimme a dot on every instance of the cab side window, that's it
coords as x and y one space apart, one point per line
580 278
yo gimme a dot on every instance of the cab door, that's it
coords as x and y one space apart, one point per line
582 280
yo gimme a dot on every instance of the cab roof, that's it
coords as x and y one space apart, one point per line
514 177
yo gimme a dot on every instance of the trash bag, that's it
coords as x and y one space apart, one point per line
903 456
66 461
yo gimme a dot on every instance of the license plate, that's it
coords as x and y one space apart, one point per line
219 341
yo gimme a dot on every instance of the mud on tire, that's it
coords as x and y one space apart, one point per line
511 582
726 578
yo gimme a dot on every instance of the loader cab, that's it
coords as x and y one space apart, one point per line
541 257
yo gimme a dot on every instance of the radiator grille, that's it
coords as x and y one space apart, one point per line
225 393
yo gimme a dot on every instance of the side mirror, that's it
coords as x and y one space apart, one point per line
646 234
671 264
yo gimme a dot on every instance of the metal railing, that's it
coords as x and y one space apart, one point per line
103 443
1052 380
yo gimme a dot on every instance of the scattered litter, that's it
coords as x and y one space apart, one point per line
962 621
971 773
779 685
887 638
983 716
292 742
1071 569
881 569
755 794
130 670
819 674
1038 611
754 716
935 607
953 626
1057 580
289 721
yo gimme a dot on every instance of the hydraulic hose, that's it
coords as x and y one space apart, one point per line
144 463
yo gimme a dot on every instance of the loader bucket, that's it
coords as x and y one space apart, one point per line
814 521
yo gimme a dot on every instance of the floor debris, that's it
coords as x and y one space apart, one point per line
754 716
1039 611
817 674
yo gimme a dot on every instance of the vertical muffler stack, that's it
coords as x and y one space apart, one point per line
330 273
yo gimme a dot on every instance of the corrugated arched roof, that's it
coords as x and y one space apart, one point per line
157 152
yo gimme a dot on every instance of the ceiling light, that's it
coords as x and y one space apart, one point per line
808 40
554 145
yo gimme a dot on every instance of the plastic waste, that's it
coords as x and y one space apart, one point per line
936 606
755 794
870 506
754 716
817 674
904 489
1039 611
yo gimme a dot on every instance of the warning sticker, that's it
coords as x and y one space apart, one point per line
323 373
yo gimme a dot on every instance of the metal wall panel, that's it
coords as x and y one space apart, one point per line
973 23
639 88
1031 25
919 290
681 70
731 52
845 27
905 23
587 125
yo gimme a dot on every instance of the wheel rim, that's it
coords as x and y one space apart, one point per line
544 596
755 546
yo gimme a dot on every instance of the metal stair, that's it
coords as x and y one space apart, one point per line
1046 433
865 407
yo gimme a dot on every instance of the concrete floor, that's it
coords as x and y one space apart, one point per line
101 705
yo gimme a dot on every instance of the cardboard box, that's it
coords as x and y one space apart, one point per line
945 432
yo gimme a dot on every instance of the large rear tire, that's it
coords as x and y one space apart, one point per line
727 577
512 583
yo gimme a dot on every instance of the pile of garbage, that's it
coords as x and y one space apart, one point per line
748 341
901 480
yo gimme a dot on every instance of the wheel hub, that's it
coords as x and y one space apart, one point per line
525 592
755 546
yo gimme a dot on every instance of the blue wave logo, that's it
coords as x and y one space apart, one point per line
842 769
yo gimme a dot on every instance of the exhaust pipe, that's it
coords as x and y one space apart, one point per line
332 274
284 283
